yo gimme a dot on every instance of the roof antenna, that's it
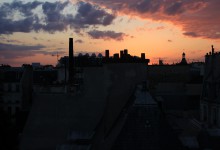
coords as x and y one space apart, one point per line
213 50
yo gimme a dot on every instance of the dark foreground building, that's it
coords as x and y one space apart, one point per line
83 115
210 102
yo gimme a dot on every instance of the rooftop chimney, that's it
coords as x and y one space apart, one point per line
142 56
107 54
116 56
71 74
121 54
125 52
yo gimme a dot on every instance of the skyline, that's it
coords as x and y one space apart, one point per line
35 31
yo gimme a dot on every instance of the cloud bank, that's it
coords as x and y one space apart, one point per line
13 47
54 17
107 35
197 18
12 51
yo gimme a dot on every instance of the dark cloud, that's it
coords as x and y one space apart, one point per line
26 9
55 20
15 51
144 6
175 8
12 51
15 47
169 40
12 55
13 41
53 53
192 34
7 9
139 6
8 26
53 11
200 17
107 35
90 15
79 41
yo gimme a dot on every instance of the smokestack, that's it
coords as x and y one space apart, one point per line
142 56
71 74
125 52
107 54
121 54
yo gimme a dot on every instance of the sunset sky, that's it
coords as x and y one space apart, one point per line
35 31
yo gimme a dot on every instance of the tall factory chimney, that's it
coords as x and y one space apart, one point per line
71 61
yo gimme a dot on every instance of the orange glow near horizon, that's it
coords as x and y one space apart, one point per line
157 39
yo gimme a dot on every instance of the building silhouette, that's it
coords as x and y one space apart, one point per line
210 99
210 102
183 61
86 115
107 102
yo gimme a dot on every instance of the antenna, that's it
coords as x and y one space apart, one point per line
213 50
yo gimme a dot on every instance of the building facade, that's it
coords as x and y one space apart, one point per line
210 98
11 92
